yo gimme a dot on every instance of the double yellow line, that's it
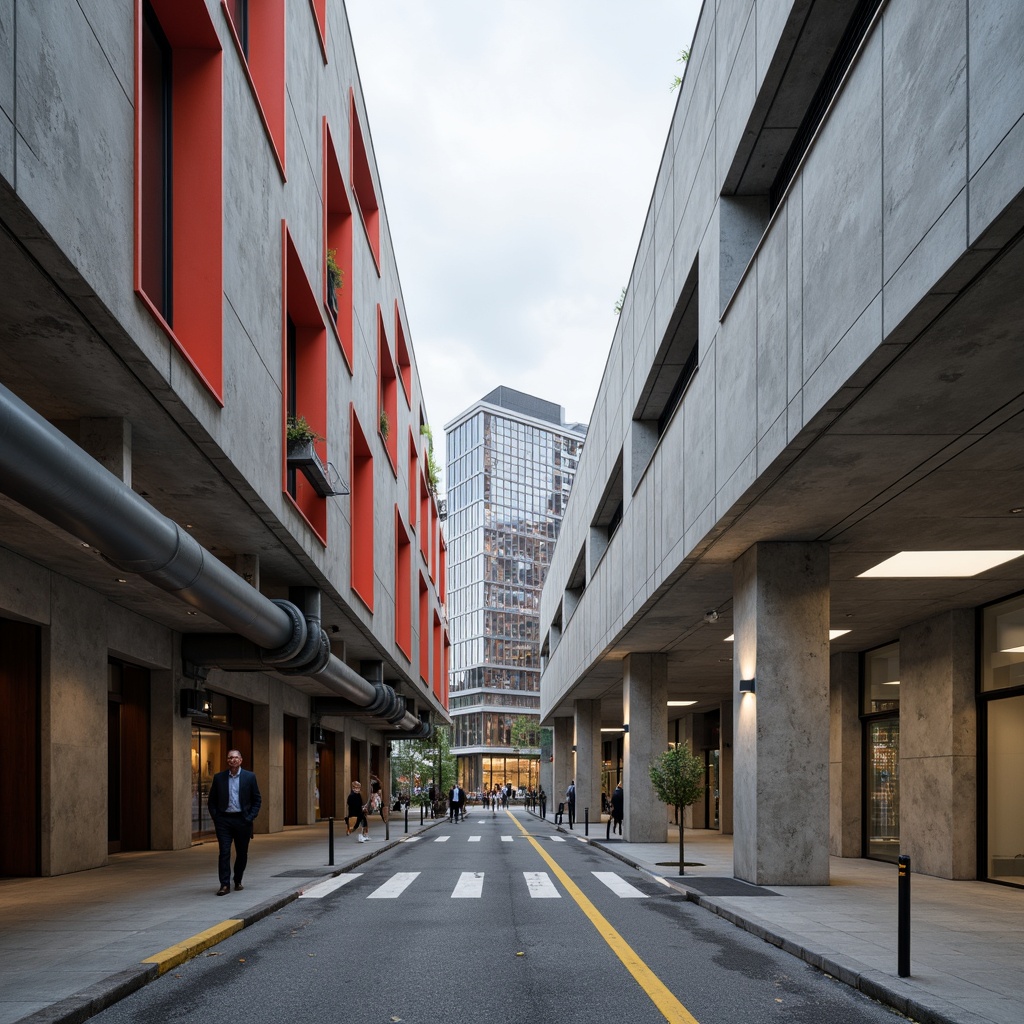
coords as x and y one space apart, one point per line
670 1008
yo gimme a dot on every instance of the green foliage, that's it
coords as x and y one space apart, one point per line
433 472
525 732
429 759
334 274
678 778
684 56
622 299
300 430
385 424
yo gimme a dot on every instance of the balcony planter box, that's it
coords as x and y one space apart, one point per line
303 457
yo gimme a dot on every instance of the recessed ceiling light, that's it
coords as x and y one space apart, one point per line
832 634
1017 511
119 580
914 564
681 703
620 729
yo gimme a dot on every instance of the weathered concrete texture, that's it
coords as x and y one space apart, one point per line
170 746
781 805
565 760
644 708
845 757
74 731
588 758
938 744
726 768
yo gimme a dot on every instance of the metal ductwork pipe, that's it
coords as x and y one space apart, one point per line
51 476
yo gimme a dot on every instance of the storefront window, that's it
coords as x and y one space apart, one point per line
209 756
883 821
1005 720
1003 648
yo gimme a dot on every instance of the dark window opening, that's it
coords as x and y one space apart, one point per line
239 11
290 396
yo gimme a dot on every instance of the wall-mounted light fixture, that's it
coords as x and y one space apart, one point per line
574 748
748 686
194 704
625 726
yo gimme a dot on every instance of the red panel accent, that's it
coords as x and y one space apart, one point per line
442 564
403 587
439 681
447 670
302 307
265 68
424 632
414 481
319 8
362 514
387 395
362 184
402 357
196 169
338 236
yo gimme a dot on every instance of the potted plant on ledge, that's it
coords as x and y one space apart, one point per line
302 455
334 282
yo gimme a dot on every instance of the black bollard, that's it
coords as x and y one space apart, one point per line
586 821
608 830
903 939
406 819
421 814
330 841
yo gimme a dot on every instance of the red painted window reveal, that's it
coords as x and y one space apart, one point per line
424 517
439 686
446 668
362 514
414 481
424 635
304 377
178 170
258 30
338 239
402 357
319 8
429 527
362 184
403 586
442 563
387 395
435 543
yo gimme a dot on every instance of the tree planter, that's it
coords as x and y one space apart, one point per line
303 457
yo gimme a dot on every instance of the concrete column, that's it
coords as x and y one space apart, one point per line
845 757
725 769
565 761
645 711
109 442
268 761
170 755
588 759
780 786
547 765
305 774
938 741
248 567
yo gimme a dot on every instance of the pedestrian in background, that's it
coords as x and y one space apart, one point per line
233 804
570 800
617 805
356 811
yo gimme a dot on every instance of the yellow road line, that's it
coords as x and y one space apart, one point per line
182 951
670 1008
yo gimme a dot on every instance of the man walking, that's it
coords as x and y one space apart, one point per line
617 809
570 800
233 804
456 799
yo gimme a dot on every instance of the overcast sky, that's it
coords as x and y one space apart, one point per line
517 143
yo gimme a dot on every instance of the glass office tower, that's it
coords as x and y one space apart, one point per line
511 460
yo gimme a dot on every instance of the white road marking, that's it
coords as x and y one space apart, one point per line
619 886
315 892
470 886
394 886
506 839
540 886
409 839
474 839
442 839
558 839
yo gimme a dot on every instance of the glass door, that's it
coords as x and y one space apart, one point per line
883 789
1005 837
209 756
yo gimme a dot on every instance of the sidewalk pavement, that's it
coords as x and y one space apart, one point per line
72 945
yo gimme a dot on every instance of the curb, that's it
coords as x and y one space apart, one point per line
873 984
77 1008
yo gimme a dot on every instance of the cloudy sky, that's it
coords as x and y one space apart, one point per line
517 143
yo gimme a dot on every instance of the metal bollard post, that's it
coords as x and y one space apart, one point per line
903 932
608 830
421 814
406 819
586 821
330 841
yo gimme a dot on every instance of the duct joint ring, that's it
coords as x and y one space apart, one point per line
287 651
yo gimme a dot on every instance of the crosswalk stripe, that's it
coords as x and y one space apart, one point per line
474 839
315 892
506 839
540 886
558 839
470 886
409 839
394 886
442 839
619 886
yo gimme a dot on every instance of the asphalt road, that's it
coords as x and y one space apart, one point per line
477 922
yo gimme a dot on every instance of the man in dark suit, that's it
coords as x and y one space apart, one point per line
233 804
456 802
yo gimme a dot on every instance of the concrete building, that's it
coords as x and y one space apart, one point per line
511 460
196 267
801 504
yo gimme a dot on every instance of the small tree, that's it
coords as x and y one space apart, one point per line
678 778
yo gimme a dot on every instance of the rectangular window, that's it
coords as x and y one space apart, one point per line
424 636
361 556
387 395
178 187
439 684
258 27
362 184
304 374
402 357
338 247
403 586
414 481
